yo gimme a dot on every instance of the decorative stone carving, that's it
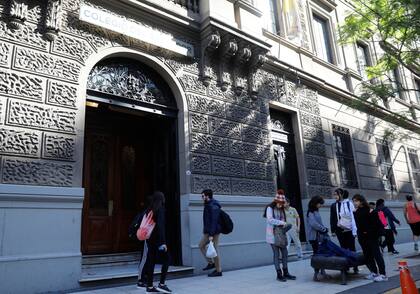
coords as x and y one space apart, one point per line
53 19
241 59
219 185
5 54
311 95
73 48
209 144
317 177
250 151
227 51
314 148
37 172
61 94
72 5
224 166
45 64
35 11
257 60
316 162
246 115
26 35
2 103
309 106
208 46
310 120
18 11
206 106
59 147
192 84
182 64
129 80
254 135
199 123
39 116
252 187
200 163
21 86
319 190
22 142
225 128
340 129
256 170
314 134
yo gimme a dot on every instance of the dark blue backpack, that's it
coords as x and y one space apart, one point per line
226 223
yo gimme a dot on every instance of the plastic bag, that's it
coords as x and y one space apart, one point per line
211 251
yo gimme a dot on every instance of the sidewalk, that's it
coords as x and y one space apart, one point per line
262 279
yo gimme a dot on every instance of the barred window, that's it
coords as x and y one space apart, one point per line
345 159
385 165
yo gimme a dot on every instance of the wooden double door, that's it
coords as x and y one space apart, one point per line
126 158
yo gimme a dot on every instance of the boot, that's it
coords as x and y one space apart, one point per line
280 276
287 275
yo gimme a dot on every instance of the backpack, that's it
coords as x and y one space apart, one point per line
226 224
134 226
382 218
146 227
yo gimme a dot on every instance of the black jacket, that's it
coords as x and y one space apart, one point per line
333 217
211 215
368 224
158 236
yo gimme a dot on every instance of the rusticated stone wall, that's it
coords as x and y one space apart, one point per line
230 150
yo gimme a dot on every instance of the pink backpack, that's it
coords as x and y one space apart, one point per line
383 219
146 227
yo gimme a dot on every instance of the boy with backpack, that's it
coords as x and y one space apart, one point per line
388 220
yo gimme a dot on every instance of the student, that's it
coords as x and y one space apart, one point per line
156 245
368 231
372 205
316 231
412 216
211 231
388 220
292 217
276 216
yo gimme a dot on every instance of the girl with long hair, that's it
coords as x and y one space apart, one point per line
275 214
369 229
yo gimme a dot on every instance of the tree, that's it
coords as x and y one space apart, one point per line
394 25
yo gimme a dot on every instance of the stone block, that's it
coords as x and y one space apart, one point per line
250 151
209 144
57 146
205 105
254 135
219 185
20 142
225 166
61 94
199 123
21 86
200 163
225 128
252 187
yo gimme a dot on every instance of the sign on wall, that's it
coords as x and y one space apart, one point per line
135 30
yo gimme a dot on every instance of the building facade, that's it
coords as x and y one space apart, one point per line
102 102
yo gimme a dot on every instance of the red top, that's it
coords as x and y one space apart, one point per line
412 214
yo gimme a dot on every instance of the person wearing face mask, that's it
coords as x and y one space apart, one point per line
276 216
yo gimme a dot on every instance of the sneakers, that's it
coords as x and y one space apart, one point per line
395 252
371 276
163 288
380 278
209 266
152 290
215 274
141 284
416 247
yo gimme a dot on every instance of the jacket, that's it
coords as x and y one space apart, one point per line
158 236
390 217
211 215
369 226
315 226
271 222
343 208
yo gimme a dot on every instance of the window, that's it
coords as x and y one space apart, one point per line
345 160
274 23
322 38
417 82
415 167
362 53
385 164
395 77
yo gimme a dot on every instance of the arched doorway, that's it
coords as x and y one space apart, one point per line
130 151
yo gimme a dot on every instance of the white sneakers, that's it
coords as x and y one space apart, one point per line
371 276
380 278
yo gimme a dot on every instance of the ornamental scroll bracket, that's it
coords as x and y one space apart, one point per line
257 60
208 46
18 12
227 51
53 19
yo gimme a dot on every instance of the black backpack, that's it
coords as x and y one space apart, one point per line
226 223
134 226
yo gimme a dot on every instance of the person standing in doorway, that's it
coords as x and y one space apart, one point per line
276 216
211 231
292 217
156 244
369 229
412 216
388 220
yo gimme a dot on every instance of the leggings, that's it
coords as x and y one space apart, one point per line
276 256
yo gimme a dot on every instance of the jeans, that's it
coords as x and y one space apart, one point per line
346 239
142 264
203 247
293 235
372 254
152 255
276 256
389 240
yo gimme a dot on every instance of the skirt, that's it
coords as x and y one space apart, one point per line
415 228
